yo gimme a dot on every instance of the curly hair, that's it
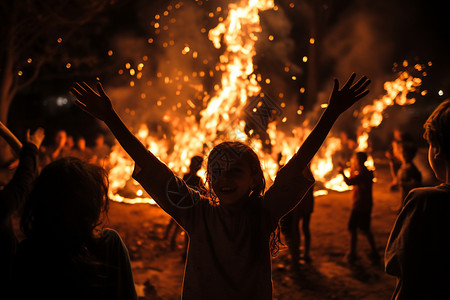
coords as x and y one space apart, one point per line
69 199
437 128
230 152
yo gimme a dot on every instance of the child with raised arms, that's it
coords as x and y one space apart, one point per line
232 230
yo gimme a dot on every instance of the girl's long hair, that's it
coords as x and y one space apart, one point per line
68 202
233 151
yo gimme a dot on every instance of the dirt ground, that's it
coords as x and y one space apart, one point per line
158 270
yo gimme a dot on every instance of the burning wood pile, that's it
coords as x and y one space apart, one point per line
238 109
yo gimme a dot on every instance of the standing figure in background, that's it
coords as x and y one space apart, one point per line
408 176
362 180
290 229
82 152
57 150
348 146
69 146
193 181
13 195
101 150
393 156
417 252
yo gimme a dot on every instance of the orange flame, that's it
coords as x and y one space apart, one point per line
221 118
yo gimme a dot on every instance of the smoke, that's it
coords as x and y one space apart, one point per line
179 60
361 41
357 44
176 58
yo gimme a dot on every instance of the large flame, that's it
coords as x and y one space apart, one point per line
221 119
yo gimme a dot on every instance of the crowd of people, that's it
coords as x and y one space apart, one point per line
64 145
233 224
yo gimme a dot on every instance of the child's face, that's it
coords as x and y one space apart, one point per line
232 181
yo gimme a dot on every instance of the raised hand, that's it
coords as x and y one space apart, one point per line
341 100
96 104
37 137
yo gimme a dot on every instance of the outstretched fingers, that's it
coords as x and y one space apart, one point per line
360 88
359 96
335 85
76 93
80 104
100 90
79 88
359 83
87 88
349 82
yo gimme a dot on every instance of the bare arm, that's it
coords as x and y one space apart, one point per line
340 101
291 174
10 138
167 190
99 105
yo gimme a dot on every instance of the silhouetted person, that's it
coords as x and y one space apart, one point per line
101 150
362 181
290 228
13 195
56 150
66 254
417 252
82 152
393 155
409 177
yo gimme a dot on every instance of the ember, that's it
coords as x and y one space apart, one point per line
223 116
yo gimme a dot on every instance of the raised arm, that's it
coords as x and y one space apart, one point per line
99 105
290 184
10 138
167 190
340 101
13 194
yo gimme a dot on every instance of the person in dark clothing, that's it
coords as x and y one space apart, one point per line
409 177
290 229
13 195
362 180
65 254
394 156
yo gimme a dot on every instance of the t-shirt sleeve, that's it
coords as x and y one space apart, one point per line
119 257
170 192
405 241
288 189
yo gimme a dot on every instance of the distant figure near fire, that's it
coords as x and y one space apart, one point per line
233 230
362 181
418 248
290 228
409 177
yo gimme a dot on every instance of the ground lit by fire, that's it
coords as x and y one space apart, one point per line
158 270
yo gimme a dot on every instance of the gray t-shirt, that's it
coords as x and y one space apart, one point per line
418 248
229 254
